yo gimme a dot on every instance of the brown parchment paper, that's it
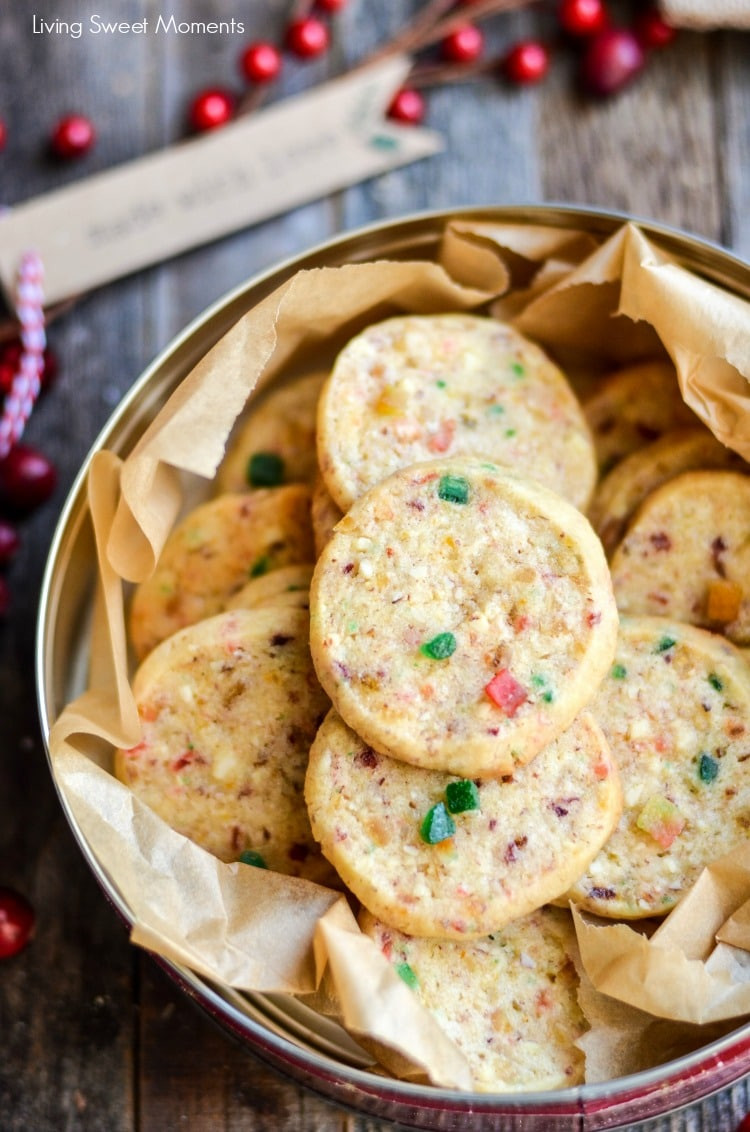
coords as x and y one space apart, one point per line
603 302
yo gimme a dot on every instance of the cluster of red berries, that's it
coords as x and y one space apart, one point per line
261 62
610 57
27 477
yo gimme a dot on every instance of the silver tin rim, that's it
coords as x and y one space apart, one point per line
255 1018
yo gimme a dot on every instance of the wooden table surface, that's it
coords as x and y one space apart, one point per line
92 1034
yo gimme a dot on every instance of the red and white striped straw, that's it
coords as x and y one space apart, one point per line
26 383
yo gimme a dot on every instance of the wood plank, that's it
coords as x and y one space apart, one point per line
66 1003
648 151
732 76
486 126
206 1081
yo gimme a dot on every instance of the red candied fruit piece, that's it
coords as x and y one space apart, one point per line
506 693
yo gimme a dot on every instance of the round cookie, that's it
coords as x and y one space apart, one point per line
675 710
686 554
523 842
288 585
637 475
634 406
213 551
418 386
229 708
509 1001
325 514
461 616
276 443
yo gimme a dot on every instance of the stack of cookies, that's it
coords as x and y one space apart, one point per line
393 654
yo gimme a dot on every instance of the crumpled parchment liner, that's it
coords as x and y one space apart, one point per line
607 302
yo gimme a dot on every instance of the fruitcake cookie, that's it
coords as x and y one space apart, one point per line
212 553
289 585
637 475
325 514
229 708
461 616
418 386
509 1001
451 858
676 712
276 444
686 554
634 406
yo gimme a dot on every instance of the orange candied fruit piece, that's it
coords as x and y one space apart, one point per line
723 600
661 820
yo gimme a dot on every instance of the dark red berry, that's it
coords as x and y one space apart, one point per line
407 106
463 45
651 30
211 109
260 62
526 62
582 17
307 37
7 373
49 368
72 137
3 134
27 478
744 1124
612 59
17 922
9 542
10 353
331 5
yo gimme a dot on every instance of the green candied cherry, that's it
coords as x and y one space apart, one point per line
265 469
453 489
437 825
462 796
406 972
440 647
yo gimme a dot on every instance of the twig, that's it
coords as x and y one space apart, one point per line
438 74
437 19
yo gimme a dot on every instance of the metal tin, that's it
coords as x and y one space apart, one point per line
279 1029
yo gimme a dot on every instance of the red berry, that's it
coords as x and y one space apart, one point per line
463 45
331 5
307 37
526 62
651 30
744 1124
211 109
407 106
10 353
7 373
3 134
582 17
9 542
260 62
16 922
27 478
72 137
612 59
